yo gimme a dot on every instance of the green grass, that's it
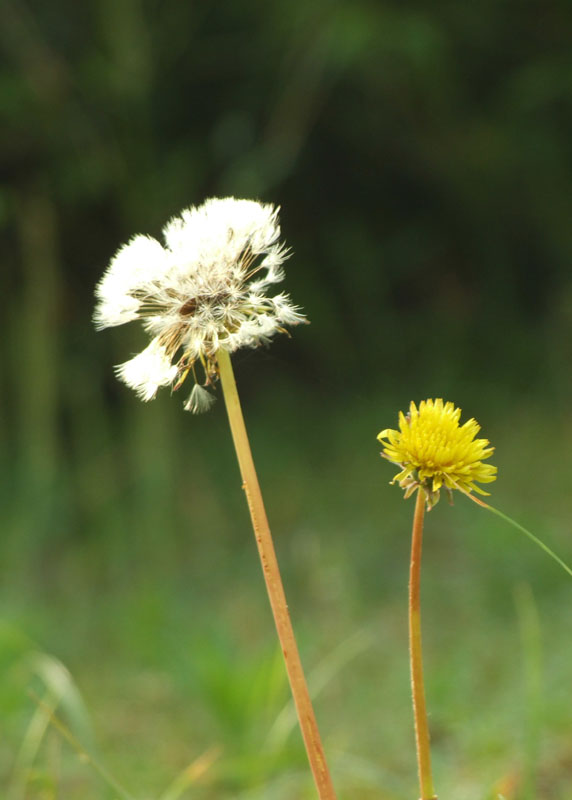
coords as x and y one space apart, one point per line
138 572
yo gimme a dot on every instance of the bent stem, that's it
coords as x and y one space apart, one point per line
522 529
416 657
306 716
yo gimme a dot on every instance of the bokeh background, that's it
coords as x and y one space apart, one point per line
422 159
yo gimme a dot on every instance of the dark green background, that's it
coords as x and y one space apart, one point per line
422 158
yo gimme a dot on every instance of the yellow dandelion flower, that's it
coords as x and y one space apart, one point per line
434 451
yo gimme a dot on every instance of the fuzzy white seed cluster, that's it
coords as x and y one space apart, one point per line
204 289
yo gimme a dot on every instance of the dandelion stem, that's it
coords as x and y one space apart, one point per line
306 716
416 657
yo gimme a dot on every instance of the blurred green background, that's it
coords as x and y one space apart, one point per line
422 158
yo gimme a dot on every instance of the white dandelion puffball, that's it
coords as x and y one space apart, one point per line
205 289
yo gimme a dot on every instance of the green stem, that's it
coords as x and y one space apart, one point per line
305 711
416 657
522 529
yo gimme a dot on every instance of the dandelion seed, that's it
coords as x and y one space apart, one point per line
203 291
434 451
147 371
200 400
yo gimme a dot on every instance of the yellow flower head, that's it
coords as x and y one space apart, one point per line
434 451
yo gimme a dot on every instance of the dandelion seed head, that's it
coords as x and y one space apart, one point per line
204 289
434 451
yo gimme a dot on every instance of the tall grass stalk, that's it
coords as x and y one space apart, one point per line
81 751
531 644
275 589
36 344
